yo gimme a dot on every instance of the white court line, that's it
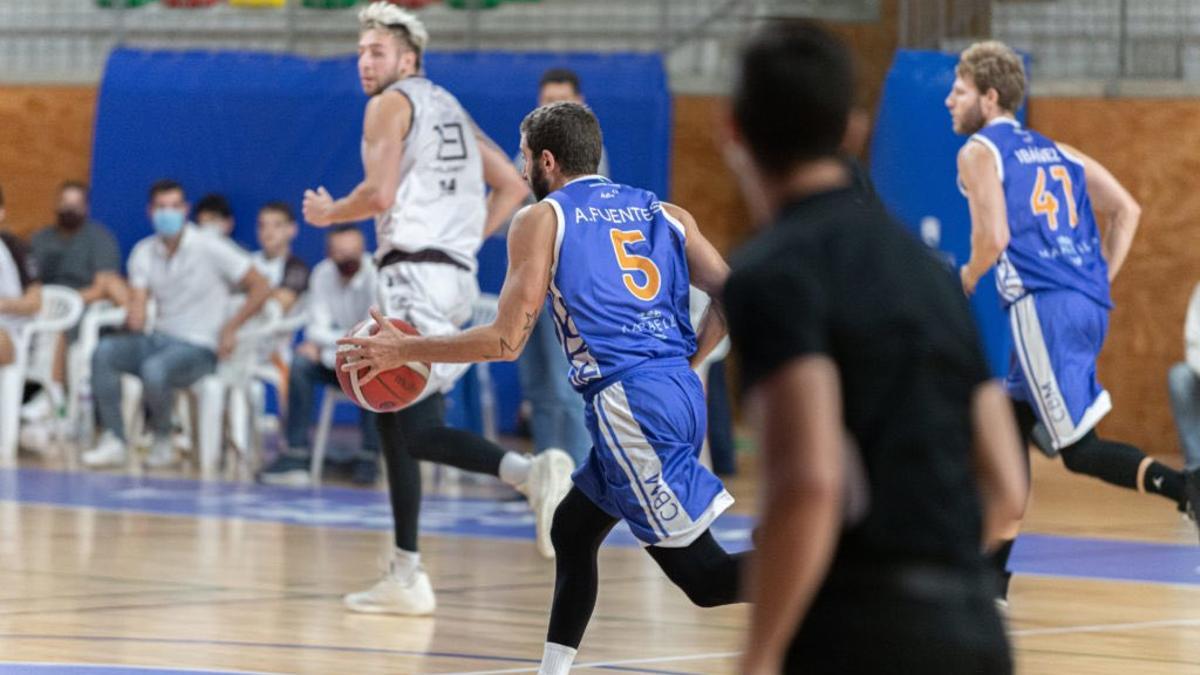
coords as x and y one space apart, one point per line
603 664
1105 627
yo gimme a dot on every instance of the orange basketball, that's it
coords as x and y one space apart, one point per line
390 391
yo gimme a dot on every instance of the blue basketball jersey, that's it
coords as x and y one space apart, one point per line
619 282
1054 242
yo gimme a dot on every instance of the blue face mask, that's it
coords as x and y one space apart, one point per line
167 222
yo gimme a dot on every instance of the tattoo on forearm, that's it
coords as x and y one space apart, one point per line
507 348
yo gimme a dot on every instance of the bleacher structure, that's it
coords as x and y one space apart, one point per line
1069 40
68 40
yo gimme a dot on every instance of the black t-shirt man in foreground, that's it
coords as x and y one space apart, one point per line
890 459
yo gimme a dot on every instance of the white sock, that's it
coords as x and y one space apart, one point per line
557 659
514 468
405 563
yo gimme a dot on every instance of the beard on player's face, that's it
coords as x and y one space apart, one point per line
538 182
972 119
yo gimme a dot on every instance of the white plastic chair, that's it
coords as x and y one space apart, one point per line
331 397
34 350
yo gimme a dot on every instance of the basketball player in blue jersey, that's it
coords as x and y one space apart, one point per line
1031 203
616 263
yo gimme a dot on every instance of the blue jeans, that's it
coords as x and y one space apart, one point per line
1184 386
303 378
557 408
163 364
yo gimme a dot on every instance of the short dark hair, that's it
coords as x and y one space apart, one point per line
279 207
164 185
74 185
214 203
793 94
569 131
561 76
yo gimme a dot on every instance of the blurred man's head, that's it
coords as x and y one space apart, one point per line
345 245
793 95
167 207
276 229
557 85
72 209
989 82
391 44
214 215
558 142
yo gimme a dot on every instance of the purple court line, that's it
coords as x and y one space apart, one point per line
1106 559
297 646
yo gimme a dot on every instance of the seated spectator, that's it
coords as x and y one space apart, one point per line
20 291
213 215
77 252
286 274
1184 385
191 276
341 294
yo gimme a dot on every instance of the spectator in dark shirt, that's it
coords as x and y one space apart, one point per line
20 290
287 274
76 251
890 459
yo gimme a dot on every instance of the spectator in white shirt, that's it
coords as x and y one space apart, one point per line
213 215
341 292
192 277
1184 386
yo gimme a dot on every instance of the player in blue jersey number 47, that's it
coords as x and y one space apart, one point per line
1032 202
613 263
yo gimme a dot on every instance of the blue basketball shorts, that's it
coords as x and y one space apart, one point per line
647 431
1057 336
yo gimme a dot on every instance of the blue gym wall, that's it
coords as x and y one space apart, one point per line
258 127
914 167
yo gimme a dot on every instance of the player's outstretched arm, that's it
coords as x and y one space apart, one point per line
999 468
1113 203
388 118
802 477
989 220
509 190
530 253
708 271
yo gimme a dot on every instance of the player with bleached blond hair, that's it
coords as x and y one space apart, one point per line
1034 208
427 170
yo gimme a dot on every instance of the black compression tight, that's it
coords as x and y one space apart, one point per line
703 570
419 433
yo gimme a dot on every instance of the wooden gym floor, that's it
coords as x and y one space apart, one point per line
171 576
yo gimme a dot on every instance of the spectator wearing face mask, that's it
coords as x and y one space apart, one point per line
193 278
80 253
214 215
340 294
76 251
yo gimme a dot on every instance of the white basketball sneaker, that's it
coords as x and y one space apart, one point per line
549 481
162 454
110 451
394 594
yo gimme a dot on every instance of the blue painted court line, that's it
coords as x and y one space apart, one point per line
102 669
335 507
1106 559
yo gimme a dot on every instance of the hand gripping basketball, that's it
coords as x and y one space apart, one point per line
364 380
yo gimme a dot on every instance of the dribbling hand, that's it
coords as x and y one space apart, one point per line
317 206
378 353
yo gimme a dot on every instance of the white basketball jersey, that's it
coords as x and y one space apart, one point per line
440 201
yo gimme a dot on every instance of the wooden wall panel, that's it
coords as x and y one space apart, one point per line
45 138
700 181
1151 146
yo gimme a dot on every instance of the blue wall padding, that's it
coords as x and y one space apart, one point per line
258 127
914 166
